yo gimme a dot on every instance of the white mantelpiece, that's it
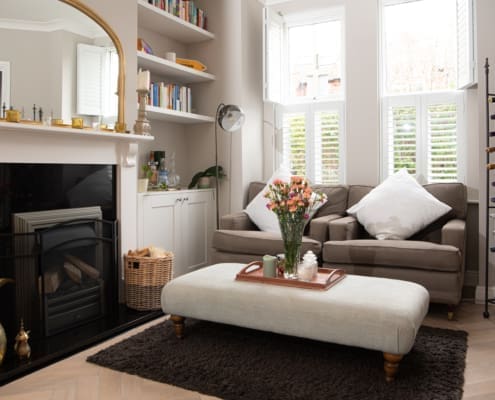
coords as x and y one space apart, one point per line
26 143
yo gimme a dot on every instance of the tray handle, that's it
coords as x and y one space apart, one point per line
336 273
244 271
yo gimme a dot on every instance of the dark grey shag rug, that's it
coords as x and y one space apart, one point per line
243 364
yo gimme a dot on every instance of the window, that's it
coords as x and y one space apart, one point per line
422 121
311 136
97 71
303 76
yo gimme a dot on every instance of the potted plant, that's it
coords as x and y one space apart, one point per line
144 182
202 178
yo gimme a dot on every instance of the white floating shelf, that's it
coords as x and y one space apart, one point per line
165 114
172 70
162 22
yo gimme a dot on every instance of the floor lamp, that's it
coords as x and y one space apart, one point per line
230 118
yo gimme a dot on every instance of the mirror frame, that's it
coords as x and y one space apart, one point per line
120 125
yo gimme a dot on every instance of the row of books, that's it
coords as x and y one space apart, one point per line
184 9
171 96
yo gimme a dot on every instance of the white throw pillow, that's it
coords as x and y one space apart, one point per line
265 219
397 208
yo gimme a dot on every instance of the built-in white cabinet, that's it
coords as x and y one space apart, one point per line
168 25
178 221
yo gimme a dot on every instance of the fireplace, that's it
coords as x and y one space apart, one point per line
54 217
59 241
70 264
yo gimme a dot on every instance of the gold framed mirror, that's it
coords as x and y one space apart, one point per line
65 62
120 124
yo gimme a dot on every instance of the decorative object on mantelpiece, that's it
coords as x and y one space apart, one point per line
13 115
142 125
294 203
202 179
21 346
3 336
77 123
230 118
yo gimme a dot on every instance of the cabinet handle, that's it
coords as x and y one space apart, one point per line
178 199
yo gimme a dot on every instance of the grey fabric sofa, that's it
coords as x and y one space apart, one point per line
240 240
434 257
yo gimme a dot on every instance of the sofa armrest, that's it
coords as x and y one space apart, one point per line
318 227
238 221
454 234
346 228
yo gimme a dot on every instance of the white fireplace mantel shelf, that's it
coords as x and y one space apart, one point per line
39 143
61 132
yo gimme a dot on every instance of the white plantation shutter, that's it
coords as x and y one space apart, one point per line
442 142
294 141
327 146
466 71
421 135
90 69
273 34
312 140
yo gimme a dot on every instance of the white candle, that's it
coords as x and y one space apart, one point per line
143 82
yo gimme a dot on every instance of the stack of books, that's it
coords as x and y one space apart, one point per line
171 96
184 9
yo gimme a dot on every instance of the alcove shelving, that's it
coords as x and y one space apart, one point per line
168 25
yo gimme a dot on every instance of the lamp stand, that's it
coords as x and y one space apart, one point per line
142 125
216 166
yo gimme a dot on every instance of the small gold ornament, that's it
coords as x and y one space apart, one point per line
21 346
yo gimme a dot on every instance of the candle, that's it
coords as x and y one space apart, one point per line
143 82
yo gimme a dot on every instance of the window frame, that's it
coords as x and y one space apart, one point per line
421 100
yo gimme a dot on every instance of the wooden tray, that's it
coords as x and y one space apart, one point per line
253 272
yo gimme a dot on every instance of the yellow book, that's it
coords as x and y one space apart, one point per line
191 64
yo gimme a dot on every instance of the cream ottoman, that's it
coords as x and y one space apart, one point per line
372 313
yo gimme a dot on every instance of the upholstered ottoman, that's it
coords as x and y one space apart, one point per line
373 313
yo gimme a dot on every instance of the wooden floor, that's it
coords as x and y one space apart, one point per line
75 379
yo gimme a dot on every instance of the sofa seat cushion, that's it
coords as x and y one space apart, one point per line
257 242
396 253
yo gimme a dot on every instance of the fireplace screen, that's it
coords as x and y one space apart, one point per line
65 273
76 266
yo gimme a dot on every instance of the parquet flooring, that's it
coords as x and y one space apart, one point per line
75 379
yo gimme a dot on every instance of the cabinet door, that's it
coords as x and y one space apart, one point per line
160 223
197 223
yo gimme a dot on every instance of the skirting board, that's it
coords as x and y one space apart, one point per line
480 294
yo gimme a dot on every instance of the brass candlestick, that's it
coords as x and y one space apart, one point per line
142 125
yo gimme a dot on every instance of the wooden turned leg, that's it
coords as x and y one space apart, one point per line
450 312
178 325
391 365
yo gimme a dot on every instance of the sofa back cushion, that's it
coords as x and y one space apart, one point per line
453 194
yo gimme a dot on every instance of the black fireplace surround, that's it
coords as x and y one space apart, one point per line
66 275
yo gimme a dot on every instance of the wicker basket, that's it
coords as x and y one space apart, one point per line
144 280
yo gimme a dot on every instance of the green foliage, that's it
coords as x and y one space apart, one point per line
147 171
211 171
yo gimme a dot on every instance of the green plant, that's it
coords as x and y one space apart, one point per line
207 172
148 173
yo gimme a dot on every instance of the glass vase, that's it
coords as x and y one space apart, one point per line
292 229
